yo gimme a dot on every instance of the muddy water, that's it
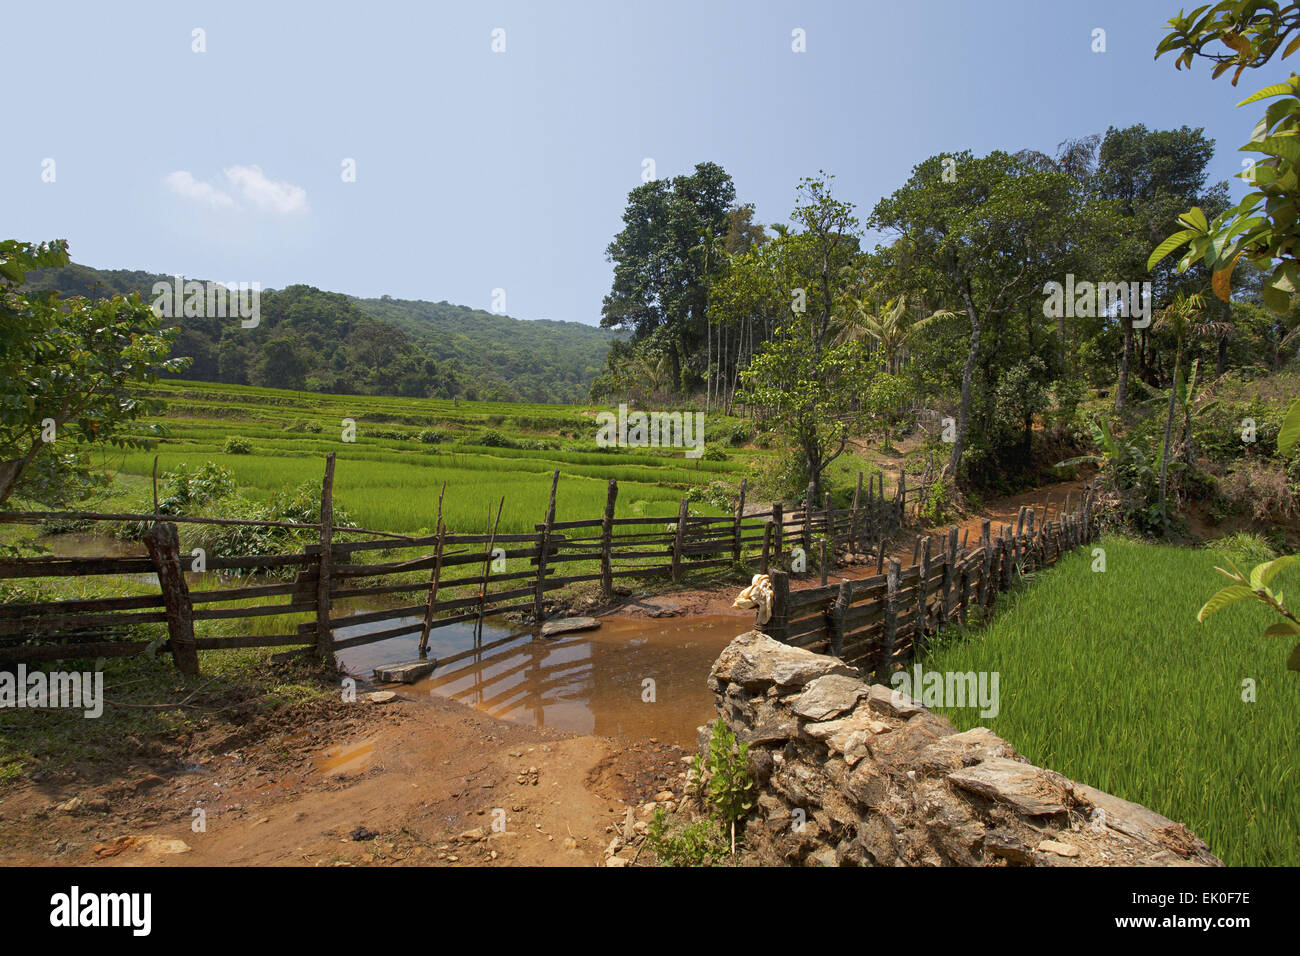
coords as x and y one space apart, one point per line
632 678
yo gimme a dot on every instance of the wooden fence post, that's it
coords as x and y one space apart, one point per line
778 526
922 583
544 544
779 624
607 538
807 522
855 533
163 544
949 575
487 565
838 611
822 565
1008 557
324 636
432 599
767 543
740 514
891 621
682 512
986 542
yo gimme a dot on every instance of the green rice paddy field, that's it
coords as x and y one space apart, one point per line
389 478
1109 679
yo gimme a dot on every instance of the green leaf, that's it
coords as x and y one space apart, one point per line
1195 218
1168 246
1229 595
1264 573
1293 662
1277 89
1282 629
1290 431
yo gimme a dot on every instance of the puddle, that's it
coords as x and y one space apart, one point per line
631 678
83 544
341 759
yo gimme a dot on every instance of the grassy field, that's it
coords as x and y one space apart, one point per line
404 449
1109 679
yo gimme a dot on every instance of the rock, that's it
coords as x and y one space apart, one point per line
361 833
569 625
617 861
570 843
828 696
955 751
663 796
1060 849
893 703
629 824
1030 790
381 696
756 661
70 806
405 673
96 805
472 836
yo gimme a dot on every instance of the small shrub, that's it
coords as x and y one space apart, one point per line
695 845
237 446
431 436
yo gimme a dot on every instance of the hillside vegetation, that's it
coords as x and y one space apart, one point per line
329 342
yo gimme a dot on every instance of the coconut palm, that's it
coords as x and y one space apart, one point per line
889 328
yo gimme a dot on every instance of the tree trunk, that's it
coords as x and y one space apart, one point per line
963 412
1121 388
1169 427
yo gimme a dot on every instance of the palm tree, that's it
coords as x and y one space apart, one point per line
889 328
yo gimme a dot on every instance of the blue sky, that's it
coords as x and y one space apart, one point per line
478 170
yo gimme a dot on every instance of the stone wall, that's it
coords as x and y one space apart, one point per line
851 773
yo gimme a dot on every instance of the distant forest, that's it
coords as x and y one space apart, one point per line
319 341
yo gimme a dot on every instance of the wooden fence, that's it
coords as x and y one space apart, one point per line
333 571
879 621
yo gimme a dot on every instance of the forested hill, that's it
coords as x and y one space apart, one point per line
329 342
539 357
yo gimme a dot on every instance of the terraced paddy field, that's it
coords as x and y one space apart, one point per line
391 467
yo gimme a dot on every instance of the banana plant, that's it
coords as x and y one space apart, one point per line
1256 587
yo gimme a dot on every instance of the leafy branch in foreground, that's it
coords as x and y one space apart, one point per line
1256 586
1263 226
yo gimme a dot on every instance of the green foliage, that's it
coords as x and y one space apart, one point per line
696 845
67 367
237 446
431 436
1243 546
327 342
1255 587
1263 227
730 785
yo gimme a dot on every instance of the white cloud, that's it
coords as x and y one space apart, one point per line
246 183
252 184
186 186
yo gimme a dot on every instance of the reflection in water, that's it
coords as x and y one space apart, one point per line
631 678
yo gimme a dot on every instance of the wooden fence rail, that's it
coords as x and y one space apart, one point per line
329 571
876 622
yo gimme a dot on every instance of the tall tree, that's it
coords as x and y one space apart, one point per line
659 285
67 368
987 236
